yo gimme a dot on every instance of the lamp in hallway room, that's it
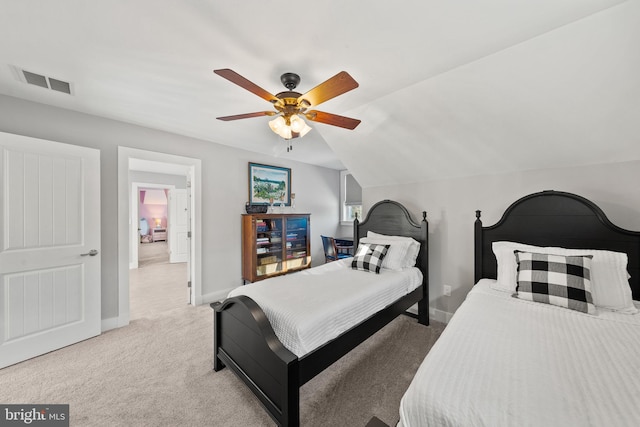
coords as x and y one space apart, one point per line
157 221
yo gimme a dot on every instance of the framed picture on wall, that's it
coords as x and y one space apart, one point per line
269 184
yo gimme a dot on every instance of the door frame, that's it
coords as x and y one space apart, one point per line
194 177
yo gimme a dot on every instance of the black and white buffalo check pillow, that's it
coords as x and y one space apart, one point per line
559 280
369 257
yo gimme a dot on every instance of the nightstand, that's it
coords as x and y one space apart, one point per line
158 234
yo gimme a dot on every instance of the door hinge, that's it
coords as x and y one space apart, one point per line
188 234
189 284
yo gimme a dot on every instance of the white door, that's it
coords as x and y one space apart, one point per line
178 226
49 243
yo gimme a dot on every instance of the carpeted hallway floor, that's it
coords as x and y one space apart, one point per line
156 286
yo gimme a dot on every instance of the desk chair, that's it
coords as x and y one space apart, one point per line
330 250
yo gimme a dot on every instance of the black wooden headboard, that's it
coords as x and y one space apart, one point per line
555 218
393 219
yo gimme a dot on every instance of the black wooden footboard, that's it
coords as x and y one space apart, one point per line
245 342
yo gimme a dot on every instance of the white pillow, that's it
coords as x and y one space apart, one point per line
609 281
402 252
414 248
397 252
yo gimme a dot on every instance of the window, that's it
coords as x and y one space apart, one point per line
351 198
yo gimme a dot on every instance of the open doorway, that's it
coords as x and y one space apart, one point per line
155 286
139 169
158 271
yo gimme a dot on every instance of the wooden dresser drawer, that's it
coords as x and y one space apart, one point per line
159 234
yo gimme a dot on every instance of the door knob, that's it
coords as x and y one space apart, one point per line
92 252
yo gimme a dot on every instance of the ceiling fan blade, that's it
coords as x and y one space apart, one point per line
332 119
236 78
336 85
247 115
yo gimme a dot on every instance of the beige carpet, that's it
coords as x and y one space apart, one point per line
157 372
157 288
153 253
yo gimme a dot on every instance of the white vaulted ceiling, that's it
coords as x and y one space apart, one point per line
447 88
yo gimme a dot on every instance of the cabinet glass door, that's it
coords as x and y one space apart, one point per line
296 246
269 245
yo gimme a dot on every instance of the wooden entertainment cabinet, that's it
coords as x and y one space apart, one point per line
274 244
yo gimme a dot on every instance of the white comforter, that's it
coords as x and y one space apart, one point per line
502 361
309 308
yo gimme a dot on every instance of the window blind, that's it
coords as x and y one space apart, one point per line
353 192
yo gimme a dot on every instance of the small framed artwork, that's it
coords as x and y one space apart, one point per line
269 185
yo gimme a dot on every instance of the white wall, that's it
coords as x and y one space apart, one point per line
158 178
224 181
451 207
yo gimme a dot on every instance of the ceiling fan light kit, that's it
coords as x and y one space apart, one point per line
289 127
291 106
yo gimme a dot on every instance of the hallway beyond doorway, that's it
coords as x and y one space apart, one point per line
157 288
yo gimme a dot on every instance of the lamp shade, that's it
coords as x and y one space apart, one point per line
297 124
285 132
280 127
277 124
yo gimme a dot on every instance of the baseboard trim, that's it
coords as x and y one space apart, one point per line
439 315
113 323
436 315
108 324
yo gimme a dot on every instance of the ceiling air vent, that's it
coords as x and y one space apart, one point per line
35 79
59 85
42 81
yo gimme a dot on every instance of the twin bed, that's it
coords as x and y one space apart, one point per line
278 334
507 361
550 356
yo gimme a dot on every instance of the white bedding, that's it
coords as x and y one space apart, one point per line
309 308
503 361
